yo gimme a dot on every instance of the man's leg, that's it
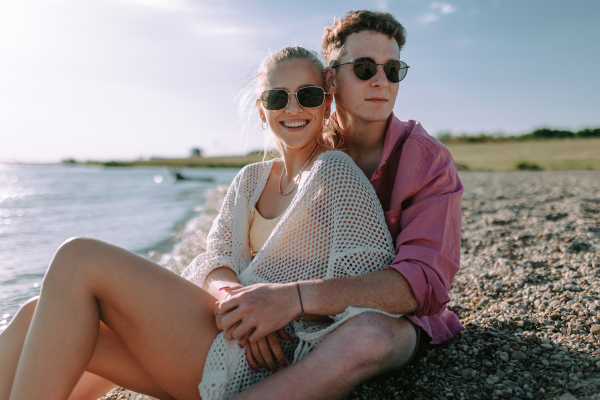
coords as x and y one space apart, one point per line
364 346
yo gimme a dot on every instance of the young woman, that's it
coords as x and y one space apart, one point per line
310 215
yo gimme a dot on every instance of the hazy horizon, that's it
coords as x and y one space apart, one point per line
124 79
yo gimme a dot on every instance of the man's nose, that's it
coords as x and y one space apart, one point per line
293 106
379 80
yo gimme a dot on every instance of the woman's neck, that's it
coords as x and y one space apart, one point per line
296 158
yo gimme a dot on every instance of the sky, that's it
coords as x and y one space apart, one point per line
128 79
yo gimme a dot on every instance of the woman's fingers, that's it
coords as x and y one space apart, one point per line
283 334
251 360
257 354
276 349
265 350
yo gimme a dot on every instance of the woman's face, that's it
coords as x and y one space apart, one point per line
295 126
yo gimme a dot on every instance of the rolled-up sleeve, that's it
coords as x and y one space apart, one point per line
428 242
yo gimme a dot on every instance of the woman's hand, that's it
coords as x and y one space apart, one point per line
262 351
258 310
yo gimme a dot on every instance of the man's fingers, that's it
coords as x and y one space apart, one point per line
257 355
227 304
218 319
244 339
265 350
276 349
242 329
230 318
251 360
229 332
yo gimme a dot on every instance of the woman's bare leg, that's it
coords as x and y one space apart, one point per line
11 344
91 387
165 322
110 356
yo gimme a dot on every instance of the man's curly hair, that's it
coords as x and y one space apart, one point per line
334 38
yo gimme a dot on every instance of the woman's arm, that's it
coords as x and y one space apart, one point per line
220 278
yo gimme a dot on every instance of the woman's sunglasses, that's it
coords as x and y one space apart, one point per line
365 68
278 99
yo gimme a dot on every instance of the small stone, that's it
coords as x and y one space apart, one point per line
503 356
567 396
466 373
595 330
518 355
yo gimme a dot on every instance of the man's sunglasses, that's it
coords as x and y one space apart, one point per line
365 68
278 99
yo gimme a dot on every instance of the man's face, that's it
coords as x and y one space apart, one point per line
371 100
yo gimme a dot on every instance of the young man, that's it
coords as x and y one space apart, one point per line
417 183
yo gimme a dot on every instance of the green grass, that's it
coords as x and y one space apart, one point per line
555 154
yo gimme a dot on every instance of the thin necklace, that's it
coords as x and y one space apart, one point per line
297 178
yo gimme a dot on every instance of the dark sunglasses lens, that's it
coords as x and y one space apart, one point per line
274 99
311 97
392 71
365 68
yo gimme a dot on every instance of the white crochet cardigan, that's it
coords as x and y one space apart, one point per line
334 228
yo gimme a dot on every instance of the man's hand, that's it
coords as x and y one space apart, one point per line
257 310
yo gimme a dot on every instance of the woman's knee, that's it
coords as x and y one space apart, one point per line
70 259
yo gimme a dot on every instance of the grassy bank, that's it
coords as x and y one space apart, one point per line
203 162
552 154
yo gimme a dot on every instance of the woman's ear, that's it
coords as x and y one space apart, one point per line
261 111
330 80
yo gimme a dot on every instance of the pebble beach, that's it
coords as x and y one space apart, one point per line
528 292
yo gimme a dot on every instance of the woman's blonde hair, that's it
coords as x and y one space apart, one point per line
329 137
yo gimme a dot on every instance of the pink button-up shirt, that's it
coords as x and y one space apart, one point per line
422 211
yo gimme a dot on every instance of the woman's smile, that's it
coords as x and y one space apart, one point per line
294 125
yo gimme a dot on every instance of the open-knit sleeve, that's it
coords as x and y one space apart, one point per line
361 242
220 241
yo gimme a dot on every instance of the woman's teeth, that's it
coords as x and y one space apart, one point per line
294 124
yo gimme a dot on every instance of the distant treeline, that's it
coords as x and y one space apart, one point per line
448 137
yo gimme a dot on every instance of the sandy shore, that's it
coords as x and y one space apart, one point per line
527 292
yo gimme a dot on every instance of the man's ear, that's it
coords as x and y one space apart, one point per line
330 76
328 100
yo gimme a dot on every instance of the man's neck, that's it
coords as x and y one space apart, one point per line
364 141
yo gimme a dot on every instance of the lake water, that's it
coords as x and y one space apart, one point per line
43 205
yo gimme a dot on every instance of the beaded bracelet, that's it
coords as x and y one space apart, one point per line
301 306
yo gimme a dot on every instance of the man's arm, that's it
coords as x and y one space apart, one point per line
383 290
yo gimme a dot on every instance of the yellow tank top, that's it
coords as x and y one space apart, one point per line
260 231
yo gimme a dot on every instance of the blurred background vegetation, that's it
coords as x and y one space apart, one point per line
541 149
544 133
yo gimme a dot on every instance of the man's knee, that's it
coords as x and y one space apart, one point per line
369 341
